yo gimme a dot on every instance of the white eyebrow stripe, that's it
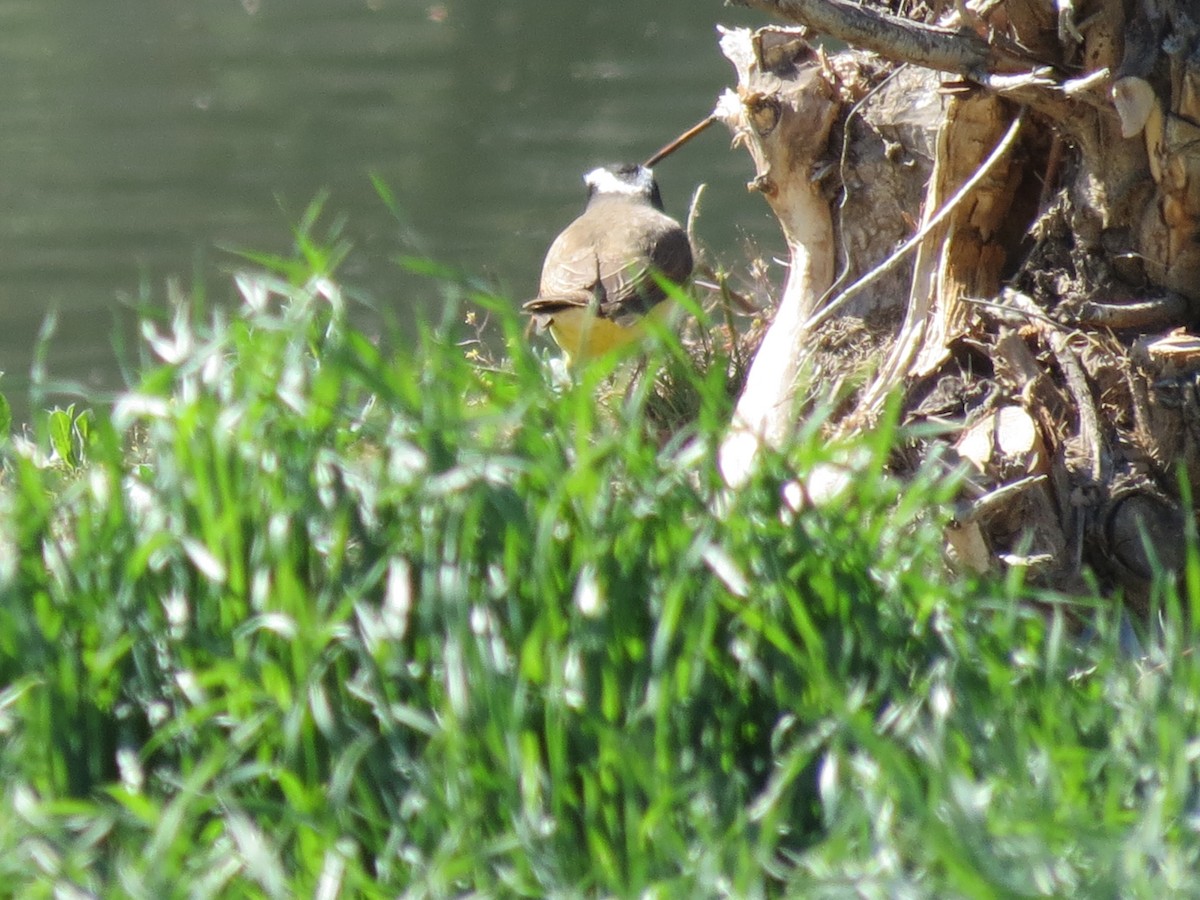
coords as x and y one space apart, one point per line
602 181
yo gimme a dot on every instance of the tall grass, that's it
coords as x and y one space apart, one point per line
303 617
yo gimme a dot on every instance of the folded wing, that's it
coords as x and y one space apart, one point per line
604 262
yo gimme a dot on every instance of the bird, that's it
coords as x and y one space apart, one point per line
598 282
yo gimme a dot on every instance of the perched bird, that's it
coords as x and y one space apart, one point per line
597 284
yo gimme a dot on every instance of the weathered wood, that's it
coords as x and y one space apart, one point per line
1057 239
956 258
957 50
782 112
883 165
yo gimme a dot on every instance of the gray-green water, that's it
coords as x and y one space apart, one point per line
137 138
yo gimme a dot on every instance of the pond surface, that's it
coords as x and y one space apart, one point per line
142 139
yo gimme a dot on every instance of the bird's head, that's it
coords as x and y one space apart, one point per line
627 180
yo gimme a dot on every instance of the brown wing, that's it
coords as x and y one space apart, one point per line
570 274
663 247
605 258
622 248
570 267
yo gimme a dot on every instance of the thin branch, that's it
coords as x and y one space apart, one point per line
959 51
1091 441
679 141
995 500
843 157
1006 142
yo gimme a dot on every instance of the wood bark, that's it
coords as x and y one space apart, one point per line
944 49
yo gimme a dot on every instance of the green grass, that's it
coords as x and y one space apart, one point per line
303 617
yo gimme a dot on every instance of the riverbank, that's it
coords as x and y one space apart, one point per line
305 617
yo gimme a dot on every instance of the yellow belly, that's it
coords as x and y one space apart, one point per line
583 335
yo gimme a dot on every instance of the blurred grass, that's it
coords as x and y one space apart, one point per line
302 617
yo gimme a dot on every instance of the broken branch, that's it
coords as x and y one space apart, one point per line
959 51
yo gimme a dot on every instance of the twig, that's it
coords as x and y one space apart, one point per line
1157 312
825 312
694 216
843 157
1010 309
1026 561
679 142
989 503
1089 419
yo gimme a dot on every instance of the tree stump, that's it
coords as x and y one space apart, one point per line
1008 197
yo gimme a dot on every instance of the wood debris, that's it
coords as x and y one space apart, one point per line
1012 204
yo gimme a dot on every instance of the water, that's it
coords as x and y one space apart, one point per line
139 139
